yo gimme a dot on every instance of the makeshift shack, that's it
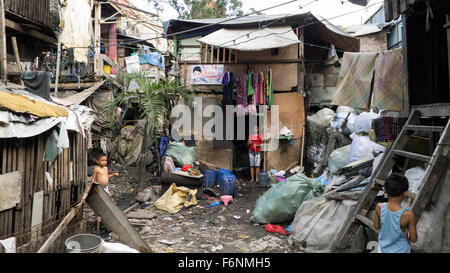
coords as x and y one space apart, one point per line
43 155
289 44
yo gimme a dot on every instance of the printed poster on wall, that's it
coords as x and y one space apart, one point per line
207 74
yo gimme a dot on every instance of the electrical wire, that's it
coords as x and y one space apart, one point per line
193 29
301 26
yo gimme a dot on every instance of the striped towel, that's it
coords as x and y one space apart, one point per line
355 80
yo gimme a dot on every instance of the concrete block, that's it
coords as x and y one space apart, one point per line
331 79
315 79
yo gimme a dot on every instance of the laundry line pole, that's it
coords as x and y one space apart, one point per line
58 61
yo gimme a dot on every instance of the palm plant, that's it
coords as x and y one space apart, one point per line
154 99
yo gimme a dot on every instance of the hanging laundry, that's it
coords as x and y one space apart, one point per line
250 89
228 84
270 89
241 86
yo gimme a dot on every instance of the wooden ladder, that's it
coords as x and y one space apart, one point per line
428 192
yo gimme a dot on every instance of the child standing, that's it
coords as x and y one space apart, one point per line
398 225
254 142
101 177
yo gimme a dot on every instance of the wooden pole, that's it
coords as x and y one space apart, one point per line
303 148
97 36
16 53
3 56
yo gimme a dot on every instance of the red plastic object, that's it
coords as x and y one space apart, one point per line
276 229
186 167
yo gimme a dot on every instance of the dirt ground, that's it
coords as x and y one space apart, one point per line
199 229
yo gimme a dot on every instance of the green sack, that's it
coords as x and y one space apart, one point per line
338 159
280 203
182 155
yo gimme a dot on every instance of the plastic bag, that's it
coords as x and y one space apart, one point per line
363 122
319 223
276 229
338 159
362 147
339 118
175 198
182 155
280 202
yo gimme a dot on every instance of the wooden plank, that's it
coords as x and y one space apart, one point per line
36 218
395 9
406 104
447 25
223 54
387 10
114 219
212 53
229 56
425 128
406 154
206 54
366 221
64 223
435 170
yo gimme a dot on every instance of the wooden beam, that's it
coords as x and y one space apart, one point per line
65 222
16 53
447 25
206 53
3 54
31 32
406 104
114 219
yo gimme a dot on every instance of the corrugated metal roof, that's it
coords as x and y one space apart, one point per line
311 22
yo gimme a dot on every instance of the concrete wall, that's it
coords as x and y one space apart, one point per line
321 81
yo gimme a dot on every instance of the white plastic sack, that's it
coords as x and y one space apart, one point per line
363 122
376 162
414 176
362 147
322 117
339 118
318 224
117 248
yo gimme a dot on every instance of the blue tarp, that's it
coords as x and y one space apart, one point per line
153 58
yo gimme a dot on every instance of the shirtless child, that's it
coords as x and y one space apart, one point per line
101 177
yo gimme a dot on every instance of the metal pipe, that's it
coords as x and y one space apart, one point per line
58 60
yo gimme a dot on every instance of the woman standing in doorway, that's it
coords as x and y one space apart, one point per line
254 142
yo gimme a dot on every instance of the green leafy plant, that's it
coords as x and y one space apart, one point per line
154 100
